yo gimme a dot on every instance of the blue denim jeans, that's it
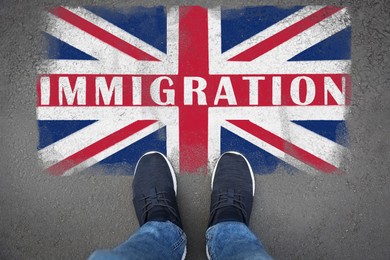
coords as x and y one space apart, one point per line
233 240
165 240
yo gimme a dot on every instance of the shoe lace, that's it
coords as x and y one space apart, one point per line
229 198
156 199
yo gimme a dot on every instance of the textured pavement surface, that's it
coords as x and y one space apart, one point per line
297 216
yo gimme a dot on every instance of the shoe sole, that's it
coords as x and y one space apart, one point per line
169 165
249 166
184 254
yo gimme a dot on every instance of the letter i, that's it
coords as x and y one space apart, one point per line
276 91
45 90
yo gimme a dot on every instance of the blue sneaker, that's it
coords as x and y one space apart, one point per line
233 188
155 189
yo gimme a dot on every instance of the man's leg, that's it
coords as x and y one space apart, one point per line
154 197
233 189
154 240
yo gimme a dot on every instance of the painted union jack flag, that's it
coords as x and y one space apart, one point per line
192 82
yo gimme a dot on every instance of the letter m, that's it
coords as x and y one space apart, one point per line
65 88
106 92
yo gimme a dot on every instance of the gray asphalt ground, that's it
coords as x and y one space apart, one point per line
297 216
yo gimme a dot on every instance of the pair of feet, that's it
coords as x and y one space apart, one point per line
155 190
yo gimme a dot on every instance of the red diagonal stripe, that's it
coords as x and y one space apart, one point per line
101 34
284 146
285 35
95 148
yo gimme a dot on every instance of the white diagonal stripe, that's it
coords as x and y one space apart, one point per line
271 149
118 32
276 60
308 38
277 120
172 34
270 31
77 38
110 119
110 60
114 148
315 144
215 124
77 141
